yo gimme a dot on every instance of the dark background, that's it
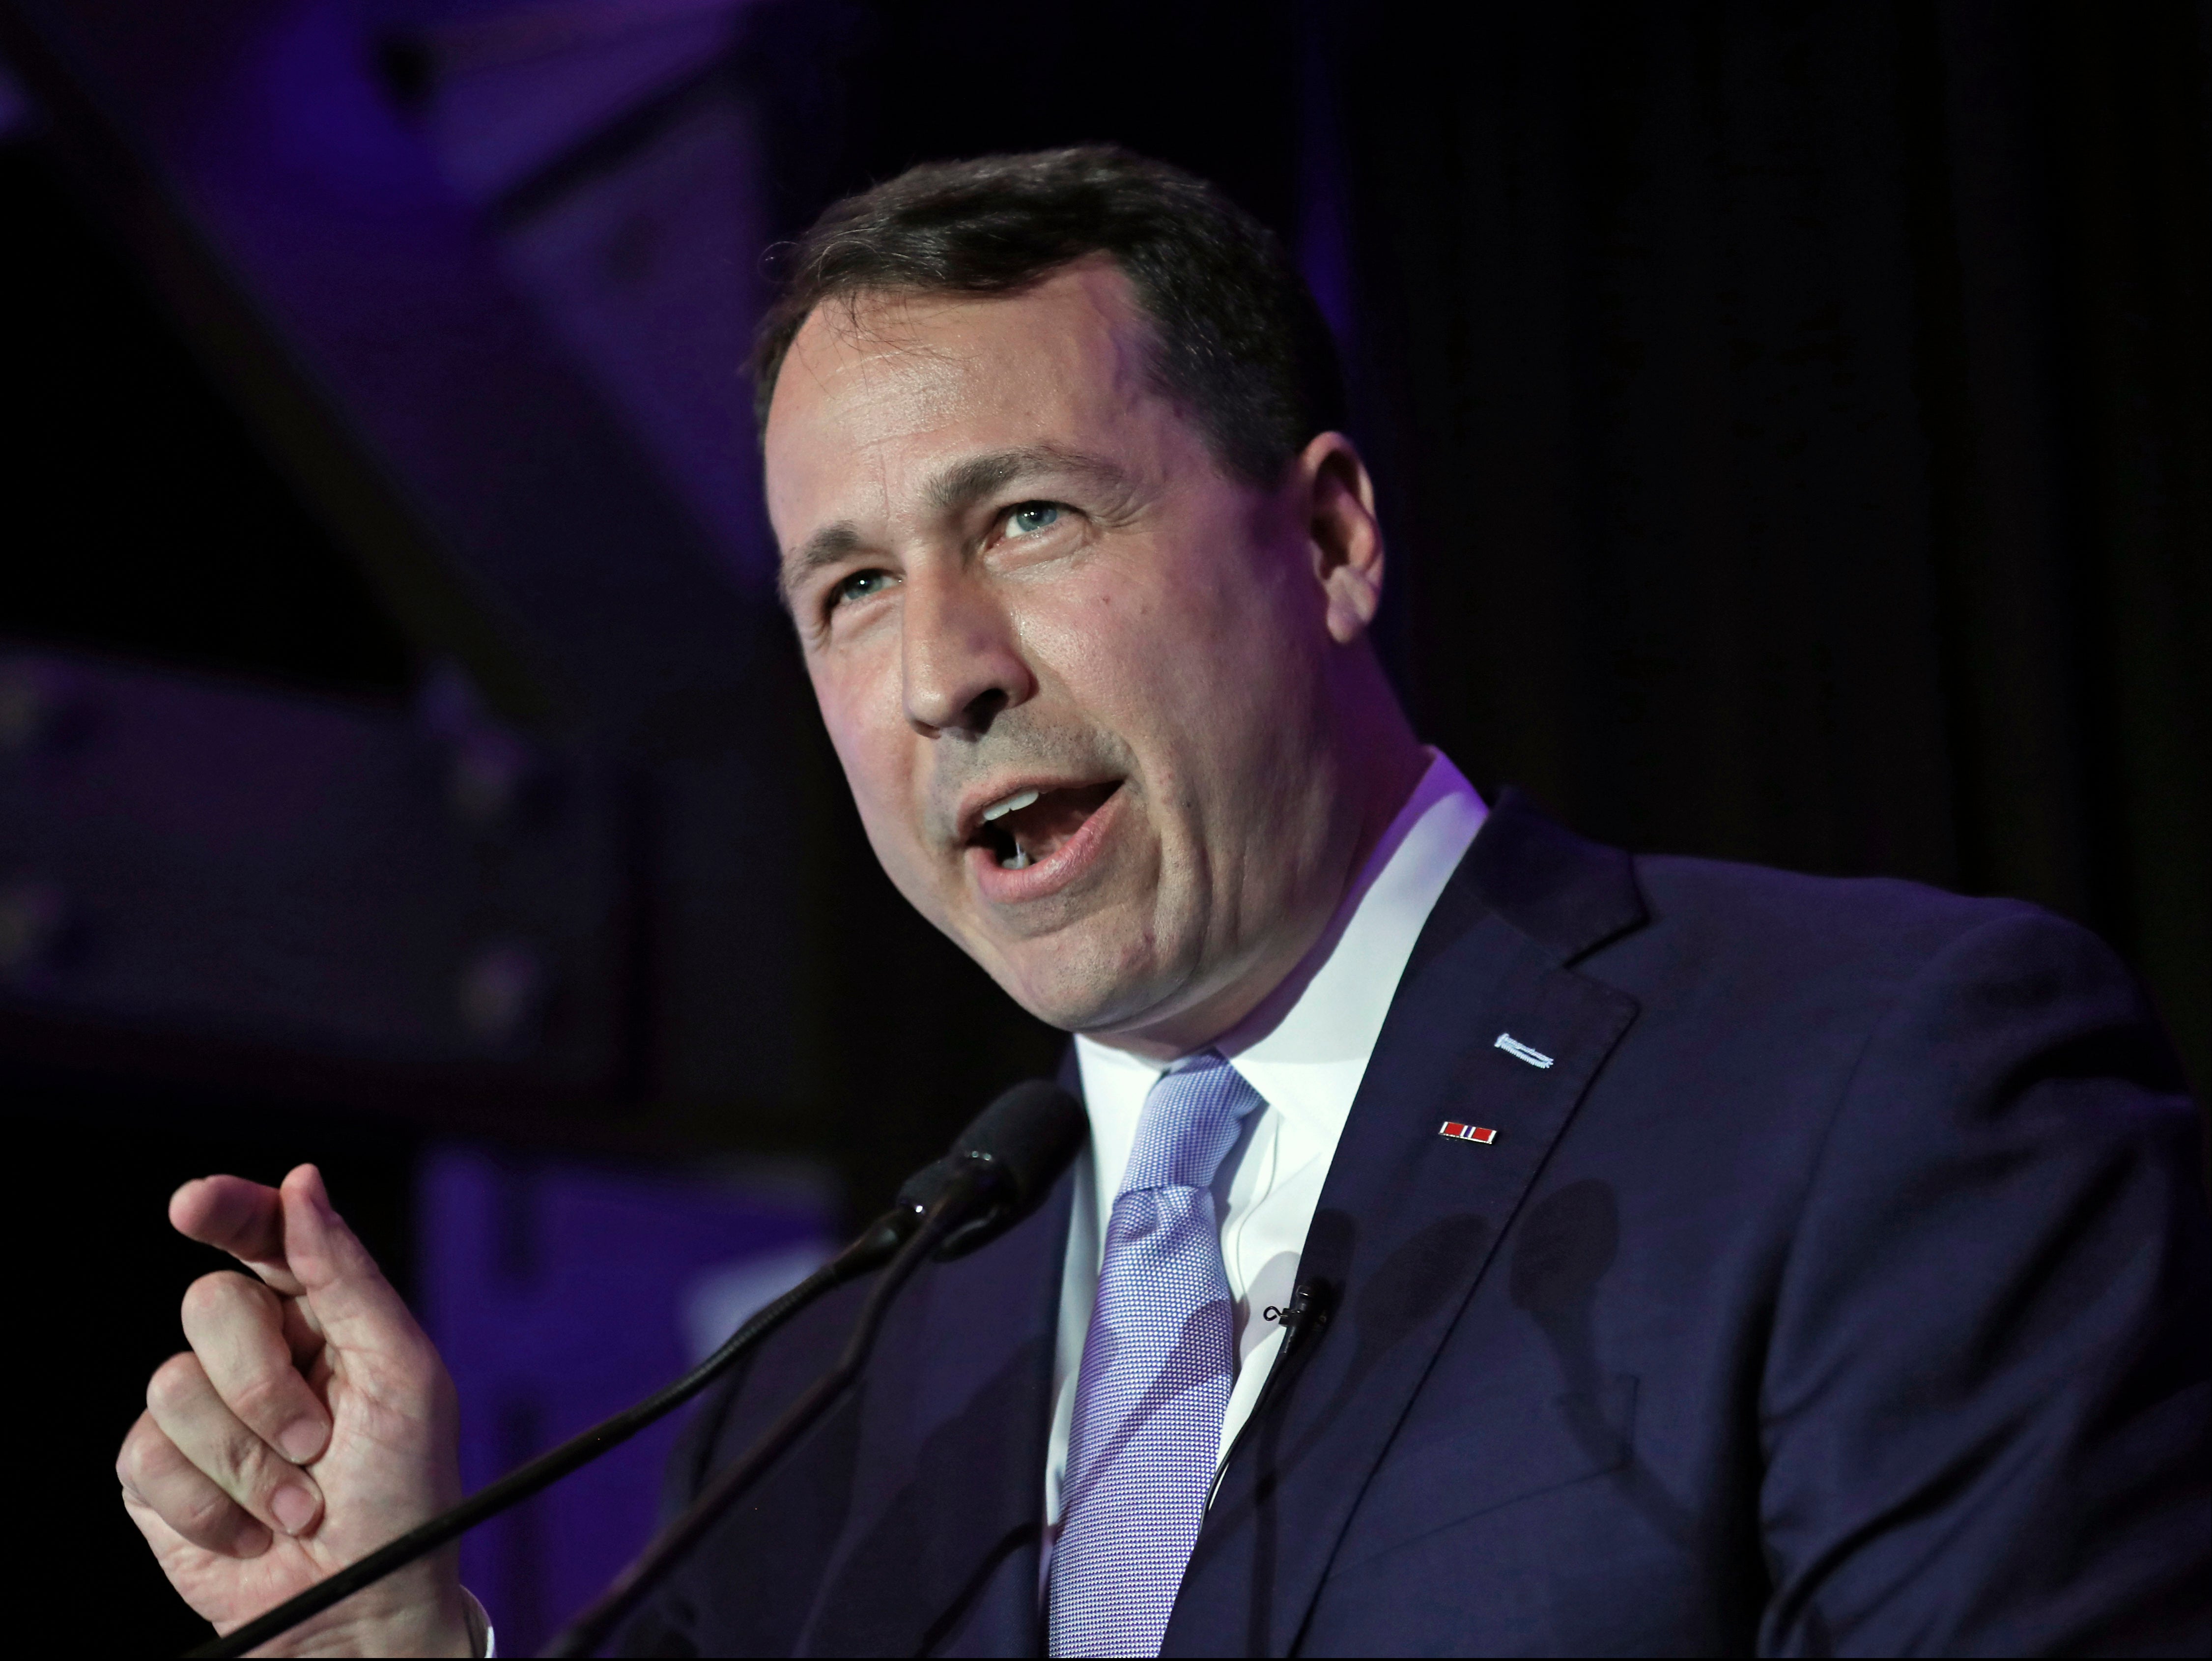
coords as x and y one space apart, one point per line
1795 429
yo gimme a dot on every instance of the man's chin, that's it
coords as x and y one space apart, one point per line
1082 984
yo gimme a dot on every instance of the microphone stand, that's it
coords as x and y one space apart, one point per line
972 1178
879 1245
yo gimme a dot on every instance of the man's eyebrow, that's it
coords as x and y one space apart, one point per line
825 547
966 483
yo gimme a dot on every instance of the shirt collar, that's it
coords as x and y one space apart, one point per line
1306 1047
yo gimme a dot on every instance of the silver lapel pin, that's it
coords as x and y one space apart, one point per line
1521 1052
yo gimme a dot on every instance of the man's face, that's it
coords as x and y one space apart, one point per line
1079 679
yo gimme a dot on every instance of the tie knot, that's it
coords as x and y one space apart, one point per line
1188 1125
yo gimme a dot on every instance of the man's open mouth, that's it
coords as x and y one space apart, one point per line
1029 826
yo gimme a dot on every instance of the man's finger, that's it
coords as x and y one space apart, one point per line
236 1328
244 1218
356 1308
158 1479
186 1410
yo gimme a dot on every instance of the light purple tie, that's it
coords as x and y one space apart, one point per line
1156 1367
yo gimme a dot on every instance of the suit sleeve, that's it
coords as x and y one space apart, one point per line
1986 1406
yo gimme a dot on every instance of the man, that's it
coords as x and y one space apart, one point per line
1487 1242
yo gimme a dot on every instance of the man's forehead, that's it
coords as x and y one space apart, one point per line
879 402
853 359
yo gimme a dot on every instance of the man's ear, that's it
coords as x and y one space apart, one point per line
1342 532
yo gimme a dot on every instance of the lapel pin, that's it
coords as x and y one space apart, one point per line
1521 1052
1468 1133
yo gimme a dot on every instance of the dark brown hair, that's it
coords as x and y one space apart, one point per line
1241 344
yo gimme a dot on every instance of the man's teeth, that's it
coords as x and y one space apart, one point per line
1013 804
1020 859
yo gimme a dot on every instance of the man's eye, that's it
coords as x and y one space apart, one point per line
1031 517
858 586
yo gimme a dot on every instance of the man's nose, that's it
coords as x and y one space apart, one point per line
963 664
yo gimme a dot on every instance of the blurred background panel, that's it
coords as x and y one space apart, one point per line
1792 424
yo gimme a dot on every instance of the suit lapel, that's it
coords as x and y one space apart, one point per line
1409 1218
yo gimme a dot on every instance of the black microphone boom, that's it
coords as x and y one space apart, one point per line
999 1169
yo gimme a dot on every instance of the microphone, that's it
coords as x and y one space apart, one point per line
1027 1135
1000 1168
999 1171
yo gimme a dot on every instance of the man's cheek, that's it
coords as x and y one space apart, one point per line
906 859
876 782
869 762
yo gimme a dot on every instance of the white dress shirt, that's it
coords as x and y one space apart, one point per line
1304 1049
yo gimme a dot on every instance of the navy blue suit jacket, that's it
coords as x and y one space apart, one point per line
1840 1288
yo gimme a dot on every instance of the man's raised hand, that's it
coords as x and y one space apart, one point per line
310 1422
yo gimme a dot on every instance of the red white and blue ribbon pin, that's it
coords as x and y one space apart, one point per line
1468 1133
